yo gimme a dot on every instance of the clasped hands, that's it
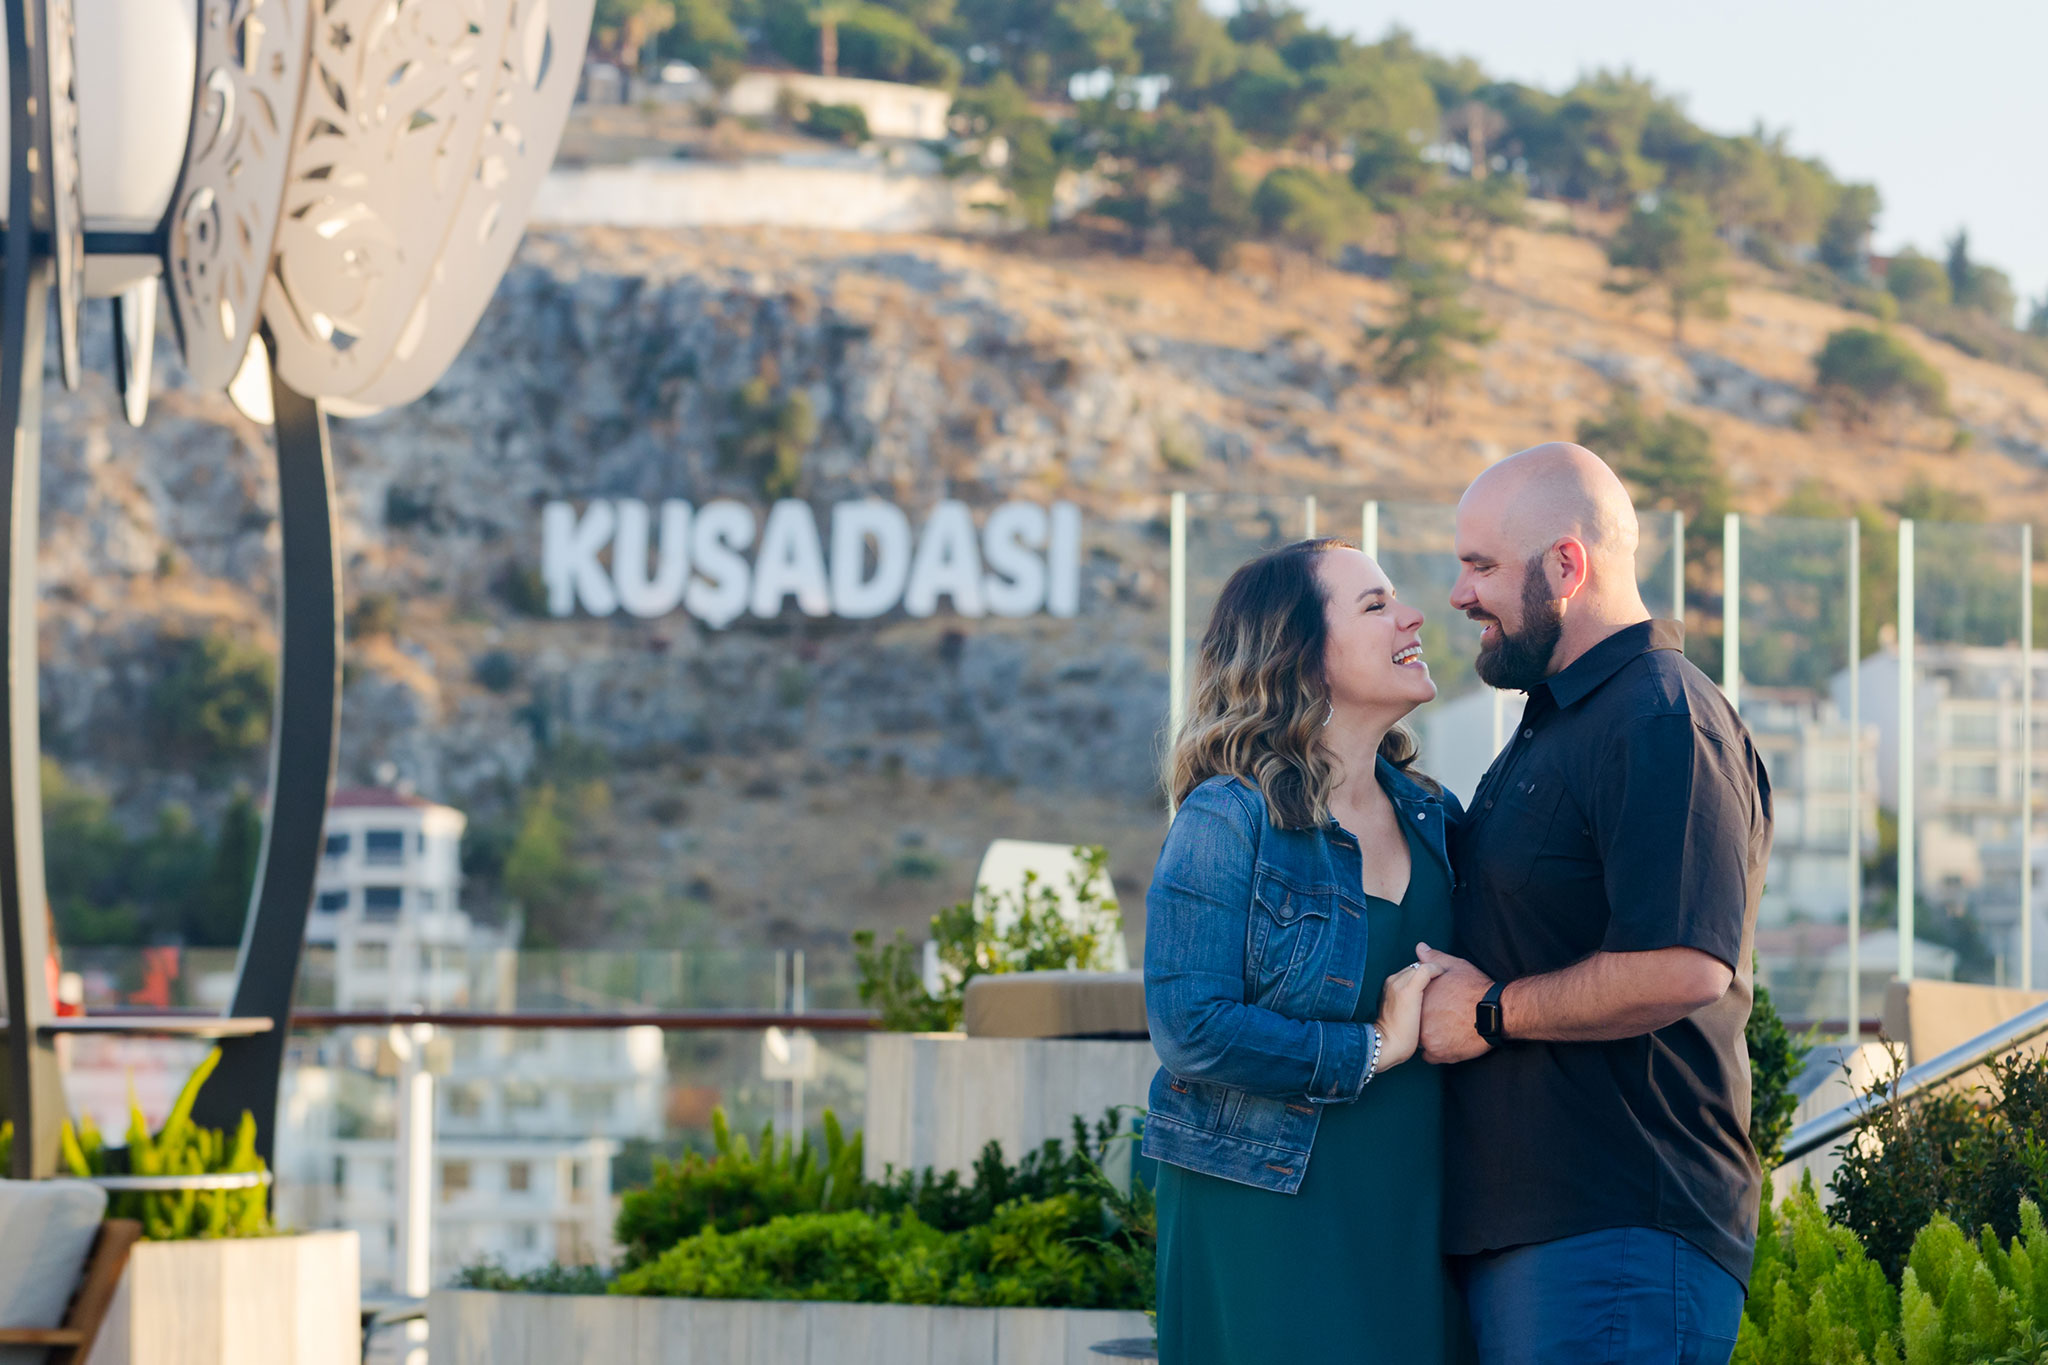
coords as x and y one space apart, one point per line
1429 1009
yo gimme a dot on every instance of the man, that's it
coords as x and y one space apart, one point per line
1601 1188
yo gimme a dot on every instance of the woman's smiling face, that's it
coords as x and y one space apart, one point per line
1372 656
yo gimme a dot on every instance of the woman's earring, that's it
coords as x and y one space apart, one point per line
1329 713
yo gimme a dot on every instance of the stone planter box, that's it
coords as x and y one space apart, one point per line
471 1327
936 1099
238 1301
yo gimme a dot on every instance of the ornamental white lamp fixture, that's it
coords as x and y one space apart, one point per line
322 195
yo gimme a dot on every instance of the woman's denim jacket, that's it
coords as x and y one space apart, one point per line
1254 954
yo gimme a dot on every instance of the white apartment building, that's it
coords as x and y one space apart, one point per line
1805 742
526 1121
1970 754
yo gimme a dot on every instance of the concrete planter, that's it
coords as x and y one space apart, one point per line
936 1099
470 1327
239 1301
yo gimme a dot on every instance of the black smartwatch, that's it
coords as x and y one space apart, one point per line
1491 1023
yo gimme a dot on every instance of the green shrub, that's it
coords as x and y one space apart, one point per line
738 1186
179 1147
1038 938
211 705
845 123
1815 1298
549 1279
1861 370
1774 1062
743 1185
1971 1158
1029 1254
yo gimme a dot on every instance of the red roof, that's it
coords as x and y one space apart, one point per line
374 796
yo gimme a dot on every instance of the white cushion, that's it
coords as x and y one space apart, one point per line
46 1232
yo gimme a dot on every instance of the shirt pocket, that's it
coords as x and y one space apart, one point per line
1516 832
1290 927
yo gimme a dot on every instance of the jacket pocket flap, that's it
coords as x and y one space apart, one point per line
1287 903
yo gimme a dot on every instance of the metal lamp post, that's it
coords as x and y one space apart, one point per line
325 193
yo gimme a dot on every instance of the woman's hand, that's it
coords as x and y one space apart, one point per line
1400 1021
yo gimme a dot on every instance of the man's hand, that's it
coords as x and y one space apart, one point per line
1450 1009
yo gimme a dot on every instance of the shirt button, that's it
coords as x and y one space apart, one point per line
1528 734
1420 815
1489 803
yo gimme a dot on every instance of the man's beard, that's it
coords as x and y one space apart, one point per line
1518 662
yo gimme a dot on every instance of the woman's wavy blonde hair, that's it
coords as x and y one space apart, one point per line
1260 699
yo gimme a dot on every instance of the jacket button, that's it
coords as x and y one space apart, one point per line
1528 734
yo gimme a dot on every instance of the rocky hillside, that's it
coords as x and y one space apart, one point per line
786 780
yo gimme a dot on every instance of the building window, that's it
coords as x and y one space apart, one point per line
454 1178
373 956
384 847
518 1176
1974 731
1974 779
529 1236
589 1102
524 1095
529 1041
383 902
427 899
337 845
465 1102
579 1182
332 901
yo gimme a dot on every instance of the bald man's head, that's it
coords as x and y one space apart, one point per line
1547 548
1536 497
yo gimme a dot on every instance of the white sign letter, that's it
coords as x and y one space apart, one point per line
855 597
720 592
655 594
1063 559
1016 585
568 558
791 562
948 563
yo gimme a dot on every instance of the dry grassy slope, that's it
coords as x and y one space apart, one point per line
1562 339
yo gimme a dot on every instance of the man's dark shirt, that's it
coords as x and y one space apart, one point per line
1630 812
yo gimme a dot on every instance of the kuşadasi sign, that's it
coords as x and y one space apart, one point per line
721 561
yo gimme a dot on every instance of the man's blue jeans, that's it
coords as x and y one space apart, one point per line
1624 1296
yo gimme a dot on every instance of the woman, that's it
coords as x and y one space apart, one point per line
1301 1175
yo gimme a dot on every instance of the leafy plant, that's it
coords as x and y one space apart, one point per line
1813 1293
739 1186
1018 930
179 1147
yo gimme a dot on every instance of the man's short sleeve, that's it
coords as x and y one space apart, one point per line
1673 817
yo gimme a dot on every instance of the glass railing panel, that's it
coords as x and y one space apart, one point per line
1793 615
1971 747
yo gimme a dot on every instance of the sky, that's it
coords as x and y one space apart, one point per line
1935 103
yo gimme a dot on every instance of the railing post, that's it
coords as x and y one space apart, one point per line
1854 588
1308 517
1909 721
1731 609
1176 616
2026 748
1678 567
1369 532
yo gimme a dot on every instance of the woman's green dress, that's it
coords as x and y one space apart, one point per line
1347 1271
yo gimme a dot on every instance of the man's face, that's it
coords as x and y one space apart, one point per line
1509 596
